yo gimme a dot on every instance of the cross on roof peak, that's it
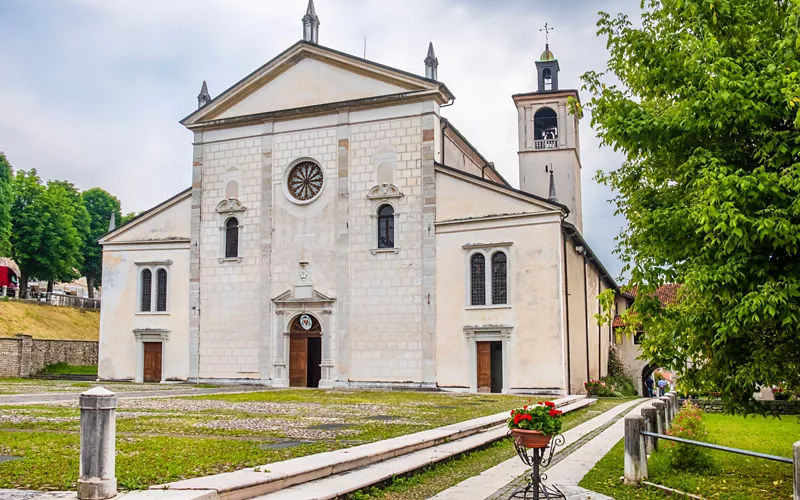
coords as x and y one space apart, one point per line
547 29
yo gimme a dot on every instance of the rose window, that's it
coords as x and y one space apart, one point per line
305 181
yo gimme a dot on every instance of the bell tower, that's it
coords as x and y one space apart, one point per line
549 149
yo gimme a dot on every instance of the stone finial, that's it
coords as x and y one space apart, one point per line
552 192
96 477
431 63
112 224
311 24
203 97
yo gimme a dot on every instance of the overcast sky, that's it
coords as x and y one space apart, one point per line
92 91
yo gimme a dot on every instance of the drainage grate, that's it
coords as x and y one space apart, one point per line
331 427
8 458
383 417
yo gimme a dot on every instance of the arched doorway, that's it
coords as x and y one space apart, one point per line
647 372
305 351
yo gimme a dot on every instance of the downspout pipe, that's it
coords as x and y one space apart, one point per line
445 123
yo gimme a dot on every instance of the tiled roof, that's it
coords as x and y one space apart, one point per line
666 294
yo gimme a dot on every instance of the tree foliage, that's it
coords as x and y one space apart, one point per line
47 227
99 205
5 205
708 118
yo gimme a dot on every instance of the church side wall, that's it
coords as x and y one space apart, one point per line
230 327
530 326
118 350
579 350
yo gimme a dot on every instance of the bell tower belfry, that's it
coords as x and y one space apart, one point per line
548 139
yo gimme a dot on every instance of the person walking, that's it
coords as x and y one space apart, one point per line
662 386
649 385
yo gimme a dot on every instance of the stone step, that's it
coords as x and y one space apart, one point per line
572 398
577 405
252 482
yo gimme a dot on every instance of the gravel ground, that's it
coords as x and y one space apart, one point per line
32 386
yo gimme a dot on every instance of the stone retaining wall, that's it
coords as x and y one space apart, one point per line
717 406
23 356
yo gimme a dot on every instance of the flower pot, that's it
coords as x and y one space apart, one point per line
530 439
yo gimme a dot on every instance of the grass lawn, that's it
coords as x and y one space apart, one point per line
10 386
167 439
733 476
43 321
62 368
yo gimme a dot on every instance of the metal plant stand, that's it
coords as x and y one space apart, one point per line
535 489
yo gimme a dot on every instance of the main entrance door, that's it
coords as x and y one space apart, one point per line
490 366
152 362
305 352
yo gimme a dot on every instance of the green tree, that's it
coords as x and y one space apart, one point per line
5 205
707 116
47 224
127 218
100 205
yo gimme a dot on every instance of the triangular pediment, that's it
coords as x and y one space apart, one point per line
308 75
166 222
289 297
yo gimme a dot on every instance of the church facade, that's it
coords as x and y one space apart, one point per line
340 232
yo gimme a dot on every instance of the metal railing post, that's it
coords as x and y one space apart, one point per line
635 456
650 443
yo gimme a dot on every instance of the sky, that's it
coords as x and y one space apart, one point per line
91 91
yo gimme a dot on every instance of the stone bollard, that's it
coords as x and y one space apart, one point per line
96 480
4 291
796 466
667 411
635 456
649 415
673 396
661 422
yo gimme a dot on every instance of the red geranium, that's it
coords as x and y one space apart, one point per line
542 417
550 404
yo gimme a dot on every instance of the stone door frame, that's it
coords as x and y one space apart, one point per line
149 335
474 334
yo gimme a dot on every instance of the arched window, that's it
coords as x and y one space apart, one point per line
545 129
161 290
547 76
232 238
499 278
386 227
477 273
146 291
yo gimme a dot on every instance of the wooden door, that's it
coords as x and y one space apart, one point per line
298 361
152 362
484 350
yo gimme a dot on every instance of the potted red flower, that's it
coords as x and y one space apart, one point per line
534 426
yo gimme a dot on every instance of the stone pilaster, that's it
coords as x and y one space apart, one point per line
194 257
25 353
342 341
430 122
266 355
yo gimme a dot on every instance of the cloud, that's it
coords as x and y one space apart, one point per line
92 91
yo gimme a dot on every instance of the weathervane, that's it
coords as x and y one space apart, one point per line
547 30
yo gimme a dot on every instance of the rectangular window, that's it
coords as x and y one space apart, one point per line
146 288
637 338
161 290
478 280
499 278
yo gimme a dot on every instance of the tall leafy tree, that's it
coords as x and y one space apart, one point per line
100 205
5 205
47 227
708 118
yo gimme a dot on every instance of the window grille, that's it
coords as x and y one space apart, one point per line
161 290
499 278
232 238
146 291
386 227
478 280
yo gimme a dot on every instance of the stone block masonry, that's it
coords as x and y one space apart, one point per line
23 356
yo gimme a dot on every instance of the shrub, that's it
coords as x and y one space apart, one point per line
540 417
688 424
598 388
616 368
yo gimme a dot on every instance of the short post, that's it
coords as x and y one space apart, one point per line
674 398
661 422
635 456
796 466
649 415
5 291
667 411
96 480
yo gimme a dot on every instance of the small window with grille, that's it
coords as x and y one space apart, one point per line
477 280
146 290
386 227
499 278
161 290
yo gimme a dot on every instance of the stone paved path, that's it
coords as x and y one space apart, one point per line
15 399
585 445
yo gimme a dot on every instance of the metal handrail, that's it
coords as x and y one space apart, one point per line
719 447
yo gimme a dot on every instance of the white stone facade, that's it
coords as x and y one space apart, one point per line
388 314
